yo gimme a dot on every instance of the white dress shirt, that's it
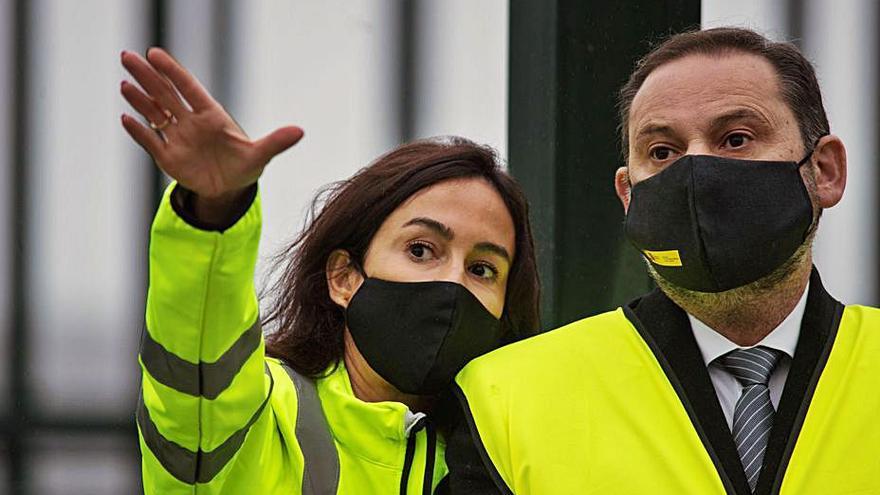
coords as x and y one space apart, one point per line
714 345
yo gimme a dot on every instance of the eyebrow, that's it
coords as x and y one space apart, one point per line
718 123
494 249
434 225
448 234
649 129
654 129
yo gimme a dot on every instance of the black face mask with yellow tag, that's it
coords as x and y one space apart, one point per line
711 224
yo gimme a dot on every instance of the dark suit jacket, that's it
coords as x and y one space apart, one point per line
666 329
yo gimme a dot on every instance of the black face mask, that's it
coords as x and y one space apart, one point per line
710 224
418 335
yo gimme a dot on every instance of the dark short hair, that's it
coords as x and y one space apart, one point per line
308 325
797 78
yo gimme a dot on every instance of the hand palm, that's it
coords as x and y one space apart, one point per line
200 145
209 153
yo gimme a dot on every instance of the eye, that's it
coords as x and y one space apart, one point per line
420 251
660 153
484 270
737 140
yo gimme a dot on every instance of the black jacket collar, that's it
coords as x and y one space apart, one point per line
666 329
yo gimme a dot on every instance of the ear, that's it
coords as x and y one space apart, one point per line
829 167
622 187
343 279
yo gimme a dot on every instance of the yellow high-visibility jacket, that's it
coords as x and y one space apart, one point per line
217 416
622 403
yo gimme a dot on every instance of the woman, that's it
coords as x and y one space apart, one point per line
416 264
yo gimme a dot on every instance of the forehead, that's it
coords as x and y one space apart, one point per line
696 87
471 207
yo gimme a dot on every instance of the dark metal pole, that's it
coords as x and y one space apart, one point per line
407 49
222 58
533 139
18 335
795 18
158 37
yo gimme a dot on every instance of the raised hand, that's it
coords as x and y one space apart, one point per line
192 138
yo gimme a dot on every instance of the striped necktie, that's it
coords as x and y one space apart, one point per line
753 415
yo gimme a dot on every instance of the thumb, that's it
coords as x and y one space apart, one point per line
276 142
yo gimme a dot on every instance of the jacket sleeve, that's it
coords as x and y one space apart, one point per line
204 379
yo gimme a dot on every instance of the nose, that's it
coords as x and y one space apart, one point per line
698 147
454 272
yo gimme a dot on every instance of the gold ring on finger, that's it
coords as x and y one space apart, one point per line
168 118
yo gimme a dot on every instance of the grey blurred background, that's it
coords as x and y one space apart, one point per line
360 76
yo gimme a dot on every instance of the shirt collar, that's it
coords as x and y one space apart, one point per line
376 431
783 338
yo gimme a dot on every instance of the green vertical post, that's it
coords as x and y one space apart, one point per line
568 58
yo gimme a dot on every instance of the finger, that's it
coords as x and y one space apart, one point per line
188 86
143 104
157 86
147 138
277 141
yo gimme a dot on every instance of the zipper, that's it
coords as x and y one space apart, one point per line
413 424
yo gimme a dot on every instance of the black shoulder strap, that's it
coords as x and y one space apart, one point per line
471 470
818 333
321 461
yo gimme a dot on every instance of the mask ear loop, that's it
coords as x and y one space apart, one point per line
810 153
815 223
358 266
806 158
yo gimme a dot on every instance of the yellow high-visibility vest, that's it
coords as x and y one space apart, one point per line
217 416
591 408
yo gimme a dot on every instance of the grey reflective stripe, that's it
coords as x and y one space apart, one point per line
207 380
184 464
321 461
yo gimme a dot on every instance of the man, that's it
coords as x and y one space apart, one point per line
740 374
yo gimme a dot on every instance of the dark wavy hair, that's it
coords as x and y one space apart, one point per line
307 325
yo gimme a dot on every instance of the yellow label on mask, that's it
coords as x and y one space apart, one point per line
664 258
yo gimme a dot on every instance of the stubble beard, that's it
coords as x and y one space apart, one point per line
731 308
759 304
